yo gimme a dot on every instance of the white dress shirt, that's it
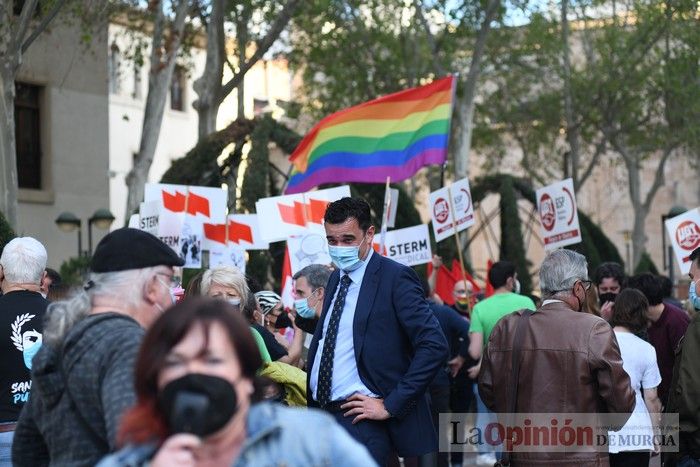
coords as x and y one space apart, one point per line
346 379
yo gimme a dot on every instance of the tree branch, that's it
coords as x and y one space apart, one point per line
658 177
599 150
418 5
262 47
25 18
43 24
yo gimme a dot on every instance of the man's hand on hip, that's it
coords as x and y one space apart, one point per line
365 407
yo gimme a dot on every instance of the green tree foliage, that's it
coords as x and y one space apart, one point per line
74 270
646 264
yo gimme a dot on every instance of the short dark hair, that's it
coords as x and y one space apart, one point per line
54 276
500 272
666 286
695 254
649 285
339 211
629 310
316 275
609 269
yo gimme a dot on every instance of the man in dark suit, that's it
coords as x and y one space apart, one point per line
377 346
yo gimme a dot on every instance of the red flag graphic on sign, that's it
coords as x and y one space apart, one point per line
295 214
236 232
195 204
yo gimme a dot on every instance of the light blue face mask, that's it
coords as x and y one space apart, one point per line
303 308
29 352
346 258
693 295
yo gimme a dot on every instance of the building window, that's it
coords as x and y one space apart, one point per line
114 63
138 87
27 135
177 89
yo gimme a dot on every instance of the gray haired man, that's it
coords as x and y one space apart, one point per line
569 361
82 378
310 291
22 309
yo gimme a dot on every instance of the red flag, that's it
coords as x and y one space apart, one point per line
286 283
176 203
238 232
446 280
489 287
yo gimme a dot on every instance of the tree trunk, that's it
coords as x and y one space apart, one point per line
208 86
241 43
466 104
159 78
8 158
572 133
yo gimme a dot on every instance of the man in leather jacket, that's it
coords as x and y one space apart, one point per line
570 361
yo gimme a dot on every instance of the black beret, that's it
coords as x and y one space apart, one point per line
128 248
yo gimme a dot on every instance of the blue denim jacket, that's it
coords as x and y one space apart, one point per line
277 436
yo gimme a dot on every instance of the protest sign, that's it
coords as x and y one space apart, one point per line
205 203
227 255
556 204
684 232
441 214
281 217
409 246
190 242
148 220
310 248
462 203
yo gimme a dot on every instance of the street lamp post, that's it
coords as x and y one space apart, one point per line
68 222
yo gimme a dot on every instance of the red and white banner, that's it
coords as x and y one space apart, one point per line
684 232
205 203
243 232
281 217
556 204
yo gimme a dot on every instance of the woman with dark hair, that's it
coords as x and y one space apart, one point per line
639 361
195 377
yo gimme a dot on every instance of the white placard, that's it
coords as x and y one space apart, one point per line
245 232
310 248
281 217
134 221
205 203
441 214
684 232
462 203
190 242
231 255
556 204
169 228
409 246
149 212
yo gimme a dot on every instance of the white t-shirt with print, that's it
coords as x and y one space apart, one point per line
639 361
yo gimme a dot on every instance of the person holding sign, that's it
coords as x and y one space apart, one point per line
378 346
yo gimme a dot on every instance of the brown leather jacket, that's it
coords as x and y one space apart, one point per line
570 363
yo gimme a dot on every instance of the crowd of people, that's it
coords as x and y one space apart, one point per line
133 370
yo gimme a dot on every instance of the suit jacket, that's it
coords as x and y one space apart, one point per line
399 348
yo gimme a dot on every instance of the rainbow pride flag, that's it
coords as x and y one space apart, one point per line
392 136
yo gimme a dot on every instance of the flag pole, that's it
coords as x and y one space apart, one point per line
385 216
458 242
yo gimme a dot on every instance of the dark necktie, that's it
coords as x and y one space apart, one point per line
325 371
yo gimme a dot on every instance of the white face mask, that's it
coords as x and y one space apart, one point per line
516 286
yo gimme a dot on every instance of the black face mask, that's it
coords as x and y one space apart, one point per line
606 297
306 324
283 321
198 404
